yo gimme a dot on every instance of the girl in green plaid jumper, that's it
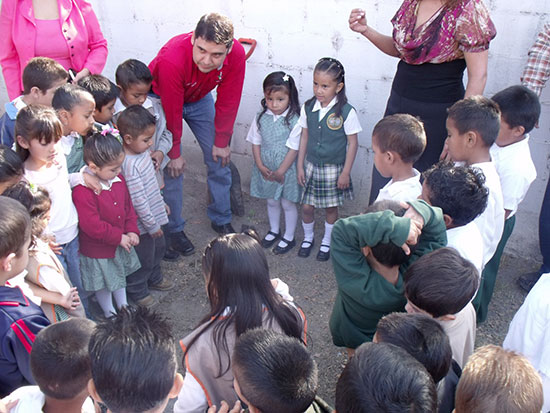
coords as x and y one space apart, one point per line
328 146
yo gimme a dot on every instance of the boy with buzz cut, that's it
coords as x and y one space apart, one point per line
134 366
497 380
105 95
442 284
60 364
41 78
398 141
370 254
20 319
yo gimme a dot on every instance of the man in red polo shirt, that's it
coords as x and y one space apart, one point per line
185 71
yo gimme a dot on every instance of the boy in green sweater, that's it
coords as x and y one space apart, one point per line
370 253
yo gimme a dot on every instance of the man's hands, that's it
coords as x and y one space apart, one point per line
223 153
176 166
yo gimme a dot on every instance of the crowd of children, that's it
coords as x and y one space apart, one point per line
83 215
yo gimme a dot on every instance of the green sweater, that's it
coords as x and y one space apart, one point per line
364 296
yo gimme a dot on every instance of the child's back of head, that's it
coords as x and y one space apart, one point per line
440 283
519 107
41 77
402 134
15 235
11 168
104 92
274 372
133 357
134 120
422 337
384 378
498 380
458 190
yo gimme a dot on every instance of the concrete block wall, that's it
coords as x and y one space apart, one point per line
293 35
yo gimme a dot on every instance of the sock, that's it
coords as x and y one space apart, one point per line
291 219
105 300
274 215
308 232
120 298
326 237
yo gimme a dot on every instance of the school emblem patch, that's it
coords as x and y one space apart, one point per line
335 122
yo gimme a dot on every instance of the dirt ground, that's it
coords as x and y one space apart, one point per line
311 283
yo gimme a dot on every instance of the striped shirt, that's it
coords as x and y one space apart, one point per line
537 69
139 172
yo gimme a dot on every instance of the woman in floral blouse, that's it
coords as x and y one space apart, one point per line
435 41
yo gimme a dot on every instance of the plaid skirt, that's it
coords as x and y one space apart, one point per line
321 189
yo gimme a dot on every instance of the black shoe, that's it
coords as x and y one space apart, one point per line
305 251
223 229
283 250
180 243
171 255
528 281
322 255
269 243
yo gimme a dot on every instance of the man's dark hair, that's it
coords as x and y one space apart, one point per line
134 120
43 73
403 134
476 114
422 337
441 282
385 378
217 28
102 89
275 372
131 72
15 226
60 362
68 96
133 356
458 190
519 106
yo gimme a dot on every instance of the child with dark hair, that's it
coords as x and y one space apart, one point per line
60 364
241 297
105 94
461 194
427 285
328 146
275 373
371 253
11 168
275 137
497 380
137 127
108 225
42 76
133 360
385 378
398 141
20 319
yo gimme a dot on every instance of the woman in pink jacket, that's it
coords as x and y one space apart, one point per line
64 30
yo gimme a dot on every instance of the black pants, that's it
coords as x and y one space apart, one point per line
150 252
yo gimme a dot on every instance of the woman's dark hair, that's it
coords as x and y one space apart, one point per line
336 70
102 149
11 165
281 82
37 122
237 279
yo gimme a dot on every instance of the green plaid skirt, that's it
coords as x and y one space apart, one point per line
321 189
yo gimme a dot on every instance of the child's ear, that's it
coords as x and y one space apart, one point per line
127 139
35 92
21 141
176 387
63 115
448 221
471 139
518 131
93 391
93 167
5 262
391 157
448 317
339 87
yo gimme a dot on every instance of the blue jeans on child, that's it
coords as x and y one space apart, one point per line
200 116
71 262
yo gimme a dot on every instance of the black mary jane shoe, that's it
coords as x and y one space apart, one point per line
305 251
269 243
322 255
283 250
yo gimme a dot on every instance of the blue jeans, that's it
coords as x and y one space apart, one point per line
71 262
200 118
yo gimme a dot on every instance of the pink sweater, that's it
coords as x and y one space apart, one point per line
83 39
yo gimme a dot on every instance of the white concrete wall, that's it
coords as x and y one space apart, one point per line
293 35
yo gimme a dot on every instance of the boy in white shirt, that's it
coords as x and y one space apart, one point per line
397 142
473 125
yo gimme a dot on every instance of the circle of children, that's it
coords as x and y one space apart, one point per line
71 228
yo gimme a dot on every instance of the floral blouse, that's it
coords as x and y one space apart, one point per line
451 31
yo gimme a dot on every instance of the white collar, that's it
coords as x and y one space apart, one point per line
110 183
275 117
318 106
119 106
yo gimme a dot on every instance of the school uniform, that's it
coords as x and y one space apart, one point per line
462 334
402 191
467 240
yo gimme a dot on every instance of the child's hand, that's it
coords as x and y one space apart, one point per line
6 405
167 209
71 300
266 173
343 181
92 182
55 247
157 234
301 177
126 242
277 176
134 238
157 157
225 408
414 232
413 215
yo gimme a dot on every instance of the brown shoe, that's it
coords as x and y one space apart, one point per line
164 285
147 302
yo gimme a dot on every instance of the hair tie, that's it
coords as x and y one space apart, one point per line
285 77
33 188
108 130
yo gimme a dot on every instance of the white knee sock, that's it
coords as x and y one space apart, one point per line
326 237
274 215
308 231
105 300
120 298
291 219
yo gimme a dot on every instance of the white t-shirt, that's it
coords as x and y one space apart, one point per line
405 191
255 137
516 171
31 399
491 221
462 334
467 240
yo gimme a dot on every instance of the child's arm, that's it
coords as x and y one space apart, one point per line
343 179
70 300
301 157
266 173
279 174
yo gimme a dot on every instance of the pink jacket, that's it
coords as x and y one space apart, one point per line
88 47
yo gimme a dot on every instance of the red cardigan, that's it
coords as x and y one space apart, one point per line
104 218
178 80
